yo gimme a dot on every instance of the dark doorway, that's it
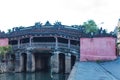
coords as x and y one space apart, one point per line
24 62
73 59
62 63
42 61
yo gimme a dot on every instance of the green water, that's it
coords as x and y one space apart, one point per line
33 76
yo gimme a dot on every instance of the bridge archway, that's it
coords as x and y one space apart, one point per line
62 63
24 62
42 61
73 59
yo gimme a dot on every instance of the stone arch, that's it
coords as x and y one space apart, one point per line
73 60
61 63
23 60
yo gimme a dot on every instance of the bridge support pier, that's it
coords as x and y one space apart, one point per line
68 63
55 63
33 63
30 62
17 63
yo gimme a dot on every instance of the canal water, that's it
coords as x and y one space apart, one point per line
33 76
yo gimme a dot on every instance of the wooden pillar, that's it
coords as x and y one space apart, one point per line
67 63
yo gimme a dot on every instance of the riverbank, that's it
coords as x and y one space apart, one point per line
3 68
108 70
6 67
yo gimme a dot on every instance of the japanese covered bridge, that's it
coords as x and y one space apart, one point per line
44 47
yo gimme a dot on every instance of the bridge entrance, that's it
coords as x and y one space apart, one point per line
42 61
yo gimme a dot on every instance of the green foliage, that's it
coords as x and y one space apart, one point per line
90 26
118 29
5 49
117 43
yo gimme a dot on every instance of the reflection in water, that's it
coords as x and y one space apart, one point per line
33 76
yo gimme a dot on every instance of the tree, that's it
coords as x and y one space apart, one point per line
118 29
90 26
4 50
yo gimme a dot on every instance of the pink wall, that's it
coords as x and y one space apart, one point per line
4 42
92 49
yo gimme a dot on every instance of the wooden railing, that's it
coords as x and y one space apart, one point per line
49 45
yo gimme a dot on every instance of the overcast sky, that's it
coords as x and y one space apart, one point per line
15 13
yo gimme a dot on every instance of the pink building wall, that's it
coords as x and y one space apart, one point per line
92 49
4 42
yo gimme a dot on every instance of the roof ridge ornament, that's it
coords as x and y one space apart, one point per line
48 23
38 24
58 24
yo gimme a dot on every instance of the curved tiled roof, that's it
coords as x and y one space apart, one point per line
74 31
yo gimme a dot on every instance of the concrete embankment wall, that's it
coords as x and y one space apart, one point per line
91 71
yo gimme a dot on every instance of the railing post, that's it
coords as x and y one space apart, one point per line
18 43
68 43
56 43
30 40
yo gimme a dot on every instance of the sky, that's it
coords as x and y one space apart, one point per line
15 13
